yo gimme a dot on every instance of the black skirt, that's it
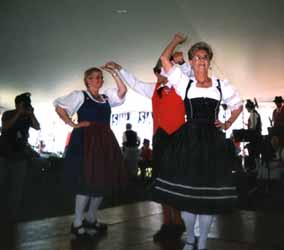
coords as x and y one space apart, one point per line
195 170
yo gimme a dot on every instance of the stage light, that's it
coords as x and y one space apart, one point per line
121 11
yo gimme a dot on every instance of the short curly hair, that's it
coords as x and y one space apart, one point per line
200 46
89 72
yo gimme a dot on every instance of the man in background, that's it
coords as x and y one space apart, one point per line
130 143
14 152
277 139
278 112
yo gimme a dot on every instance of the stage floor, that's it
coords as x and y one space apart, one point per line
132 227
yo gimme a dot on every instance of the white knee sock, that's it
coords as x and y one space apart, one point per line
205 222
189 222
93 209
80 205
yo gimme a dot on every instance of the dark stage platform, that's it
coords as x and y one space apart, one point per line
131 228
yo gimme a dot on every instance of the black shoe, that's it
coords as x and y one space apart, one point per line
180 228
194 244
177 231
163 234
79 232
97 226
194 247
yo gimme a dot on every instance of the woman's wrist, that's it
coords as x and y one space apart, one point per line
71 123
227 124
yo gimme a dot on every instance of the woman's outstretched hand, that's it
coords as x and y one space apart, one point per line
113 65
222 125
179 38
109 69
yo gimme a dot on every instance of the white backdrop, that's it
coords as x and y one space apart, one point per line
54 132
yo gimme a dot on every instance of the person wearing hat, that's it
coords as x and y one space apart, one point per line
145 158
278 112
277 139
14 151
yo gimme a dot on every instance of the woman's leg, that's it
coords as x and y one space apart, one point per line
91 223
77 228
205 222
95 203
81 202
189 220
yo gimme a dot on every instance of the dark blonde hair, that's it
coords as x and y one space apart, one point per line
89 72
200 46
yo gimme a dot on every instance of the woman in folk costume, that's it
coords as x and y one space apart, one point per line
93 161
168 116
196 167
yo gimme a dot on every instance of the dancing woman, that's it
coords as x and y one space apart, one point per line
196 174
93 161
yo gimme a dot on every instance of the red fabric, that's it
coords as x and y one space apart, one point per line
104 169
67 139
146 154
171 215
168 111
278 117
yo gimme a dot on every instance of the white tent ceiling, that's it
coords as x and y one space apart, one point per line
46 45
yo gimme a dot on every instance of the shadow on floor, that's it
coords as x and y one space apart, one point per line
44 195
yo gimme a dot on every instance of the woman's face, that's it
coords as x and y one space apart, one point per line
200 61
95 80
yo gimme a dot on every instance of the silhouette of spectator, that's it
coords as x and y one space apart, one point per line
41 146
14 151
254 126
145 158
278 112
254 120
130 143
278 118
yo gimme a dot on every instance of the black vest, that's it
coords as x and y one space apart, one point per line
131 139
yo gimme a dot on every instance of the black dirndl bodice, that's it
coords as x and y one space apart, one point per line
195 166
